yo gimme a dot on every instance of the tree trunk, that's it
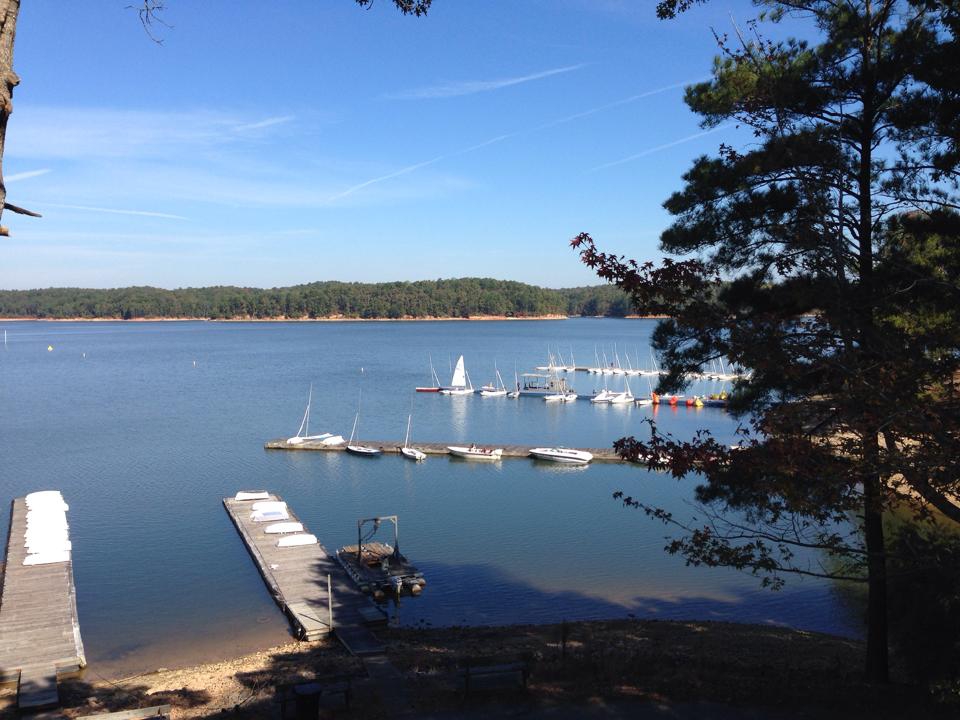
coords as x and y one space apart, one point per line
877 654
9 9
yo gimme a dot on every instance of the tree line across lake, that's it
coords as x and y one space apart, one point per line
460 298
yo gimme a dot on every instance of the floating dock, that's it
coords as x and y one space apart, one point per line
39 629
393 446
297 579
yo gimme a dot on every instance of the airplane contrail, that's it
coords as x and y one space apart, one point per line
536 128
658 148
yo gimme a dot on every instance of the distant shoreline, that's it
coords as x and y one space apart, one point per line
339 318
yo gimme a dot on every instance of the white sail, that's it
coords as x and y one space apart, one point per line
459 375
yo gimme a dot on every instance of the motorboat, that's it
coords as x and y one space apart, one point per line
562 455
561 397
475 453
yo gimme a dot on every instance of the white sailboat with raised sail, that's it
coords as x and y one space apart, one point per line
460 383
411 452
303 434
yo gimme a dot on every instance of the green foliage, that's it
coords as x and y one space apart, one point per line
463 297
821 257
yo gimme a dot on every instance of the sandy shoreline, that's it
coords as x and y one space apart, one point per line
572 664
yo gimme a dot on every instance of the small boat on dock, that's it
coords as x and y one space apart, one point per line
252 495
283 528
562 455
411 452
475 453
303 434
377 567
362 450
297 540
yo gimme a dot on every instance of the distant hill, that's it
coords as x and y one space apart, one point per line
456 298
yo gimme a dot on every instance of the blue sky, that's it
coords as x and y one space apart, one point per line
315 140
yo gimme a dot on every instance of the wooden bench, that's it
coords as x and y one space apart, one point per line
487 668
305 697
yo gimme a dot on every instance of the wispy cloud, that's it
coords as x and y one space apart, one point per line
72 133
658 148
26 175
268 122
112 211
471 87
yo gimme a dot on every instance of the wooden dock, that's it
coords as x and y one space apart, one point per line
297 579
393 447
39 629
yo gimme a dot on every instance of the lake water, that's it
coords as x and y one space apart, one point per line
146 426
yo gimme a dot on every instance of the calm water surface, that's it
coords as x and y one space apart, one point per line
146 426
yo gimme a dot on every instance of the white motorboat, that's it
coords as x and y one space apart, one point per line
602 397
283 528
303 434
566 397
411 452
460 383
475 453
562 455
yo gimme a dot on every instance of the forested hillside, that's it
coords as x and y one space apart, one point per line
463 297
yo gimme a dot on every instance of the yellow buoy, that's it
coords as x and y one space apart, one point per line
49 348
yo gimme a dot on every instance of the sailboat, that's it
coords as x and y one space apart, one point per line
622 397
515 393
436 381
406 450
360 449
496 388
460 383
303 434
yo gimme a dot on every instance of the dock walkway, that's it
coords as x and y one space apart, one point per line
297 579
434 448
39 628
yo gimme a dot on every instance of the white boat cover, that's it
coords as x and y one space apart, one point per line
284 527
252 495
47 558
268 505
297 540
333 440
259 516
